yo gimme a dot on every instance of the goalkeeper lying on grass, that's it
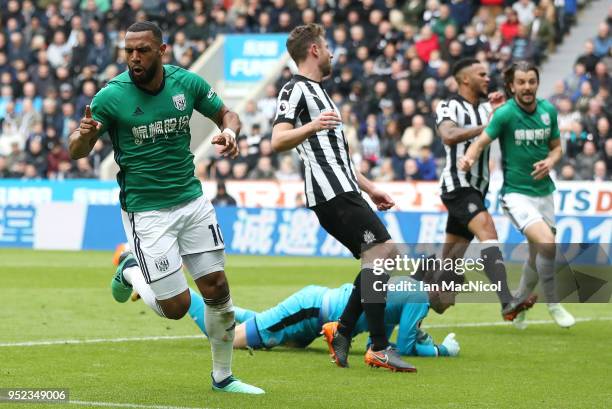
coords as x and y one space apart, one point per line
297 320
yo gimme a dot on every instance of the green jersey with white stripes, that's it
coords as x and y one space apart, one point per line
524 140
151 136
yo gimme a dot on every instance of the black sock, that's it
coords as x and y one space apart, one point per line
495 270
374 307
352 311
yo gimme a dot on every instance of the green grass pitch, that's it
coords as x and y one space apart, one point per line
48 296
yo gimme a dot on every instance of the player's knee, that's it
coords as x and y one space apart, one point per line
215 285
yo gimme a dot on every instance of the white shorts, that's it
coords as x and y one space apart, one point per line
160 239
524 210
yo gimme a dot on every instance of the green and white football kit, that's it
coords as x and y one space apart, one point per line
524 140
167 219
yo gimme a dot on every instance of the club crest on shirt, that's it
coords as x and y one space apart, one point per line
545 118
368 237
162 264
179 102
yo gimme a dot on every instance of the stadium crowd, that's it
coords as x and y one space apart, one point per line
391 66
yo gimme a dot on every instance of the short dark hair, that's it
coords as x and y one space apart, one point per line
524 66
301 38
462 64
147 26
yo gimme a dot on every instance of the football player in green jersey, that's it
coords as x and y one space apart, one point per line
527 129
167 219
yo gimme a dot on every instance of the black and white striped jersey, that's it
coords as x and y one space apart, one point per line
465 115
328 170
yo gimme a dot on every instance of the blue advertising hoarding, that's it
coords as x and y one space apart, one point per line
248 57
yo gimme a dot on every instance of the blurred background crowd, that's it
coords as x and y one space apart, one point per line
391 66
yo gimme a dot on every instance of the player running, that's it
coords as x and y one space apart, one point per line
167 219
460 119
307 119
297 321
529 138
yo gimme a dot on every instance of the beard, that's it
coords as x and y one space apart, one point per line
146 76
325 68
526 98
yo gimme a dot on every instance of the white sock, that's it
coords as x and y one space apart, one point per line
220 324
133 275
546 270
529 280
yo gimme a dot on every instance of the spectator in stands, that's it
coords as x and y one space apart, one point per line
222 198
602 132
253 116
588 58
426 164
267 105
585 161
510 27
559 94
56 155
607 156
428 41
385 171
370 145
411 170
525 10
223 169
600 77
37 158
541 31
4 170
600 171
417 136
568 172
240 171
398 159
59 51
575 80
83 170
287 171
445 19
263 170
603 41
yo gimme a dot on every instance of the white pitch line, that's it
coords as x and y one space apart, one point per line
98 340
126 405
505 323
180 337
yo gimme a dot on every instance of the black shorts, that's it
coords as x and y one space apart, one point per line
462 204
350 219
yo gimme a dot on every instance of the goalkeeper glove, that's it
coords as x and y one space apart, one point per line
423 338
450 344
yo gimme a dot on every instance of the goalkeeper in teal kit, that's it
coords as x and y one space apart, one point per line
297 320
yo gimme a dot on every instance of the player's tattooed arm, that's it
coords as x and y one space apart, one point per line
473 152
229 123
452 134
83 139
542 168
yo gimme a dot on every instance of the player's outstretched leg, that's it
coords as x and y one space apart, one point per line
388 358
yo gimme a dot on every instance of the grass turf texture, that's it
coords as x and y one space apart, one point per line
66 295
